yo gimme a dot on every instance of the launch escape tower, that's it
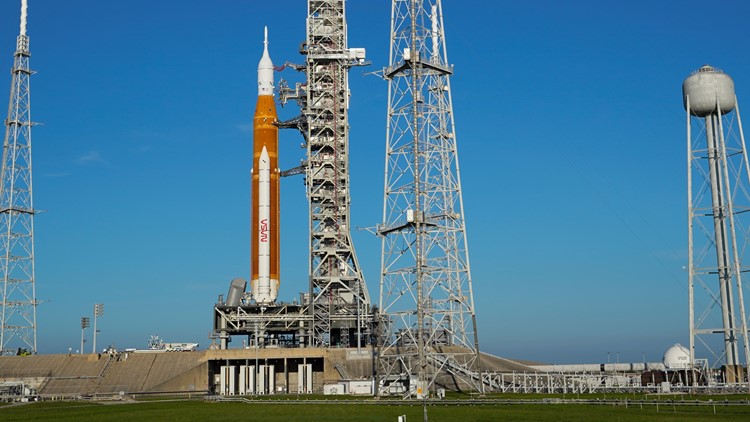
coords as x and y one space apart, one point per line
339 302
18 321
718 176
425 285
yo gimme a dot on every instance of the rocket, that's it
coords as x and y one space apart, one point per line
265 188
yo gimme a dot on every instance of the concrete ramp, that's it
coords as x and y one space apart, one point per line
72 375
127 372
148 372
60 374
181 371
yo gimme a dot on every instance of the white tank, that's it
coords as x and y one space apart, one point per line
704 87
677 357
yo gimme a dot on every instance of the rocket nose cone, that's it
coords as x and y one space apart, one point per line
265 69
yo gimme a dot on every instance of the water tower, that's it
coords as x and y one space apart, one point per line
718 208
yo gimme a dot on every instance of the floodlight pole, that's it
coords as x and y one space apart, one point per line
98 311
84 325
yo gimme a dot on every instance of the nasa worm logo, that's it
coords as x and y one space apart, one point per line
264 230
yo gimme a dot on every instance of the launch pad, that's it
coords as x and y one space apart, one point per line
425 324
288 325
336 310
423 333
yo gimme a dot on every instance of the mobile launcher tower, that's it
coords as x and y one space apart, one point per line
718 238
336 310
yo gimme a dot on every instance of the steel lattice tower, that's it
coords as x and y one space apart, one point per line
17 210
339 301
425 286
718 176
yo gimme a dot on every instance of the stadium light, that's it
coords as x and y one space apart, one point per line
98 311
85 322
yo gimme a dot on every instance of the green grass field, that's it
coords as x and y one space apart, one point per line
340 411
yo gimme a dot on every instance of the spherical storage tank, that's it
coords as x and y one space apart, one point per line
677 357
704 87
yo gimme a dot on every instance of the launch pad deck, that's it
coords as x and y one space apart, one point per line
285 325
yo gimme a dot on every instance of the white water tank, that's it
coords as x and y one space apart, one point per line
677 357
705 88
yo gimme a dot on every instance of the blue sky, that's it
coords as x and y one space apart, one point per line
571 137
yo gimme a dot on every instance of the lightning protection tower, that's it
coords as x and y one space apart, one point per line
17 210
339 303
425 286
718 203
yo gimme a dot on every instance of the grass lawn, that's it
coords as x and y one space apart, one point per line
340 411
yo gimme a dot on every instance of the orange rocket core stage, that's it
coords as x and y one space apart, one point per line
265 210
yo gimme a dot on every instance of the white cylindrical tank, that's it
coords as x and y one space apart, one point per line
677 357
705 88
